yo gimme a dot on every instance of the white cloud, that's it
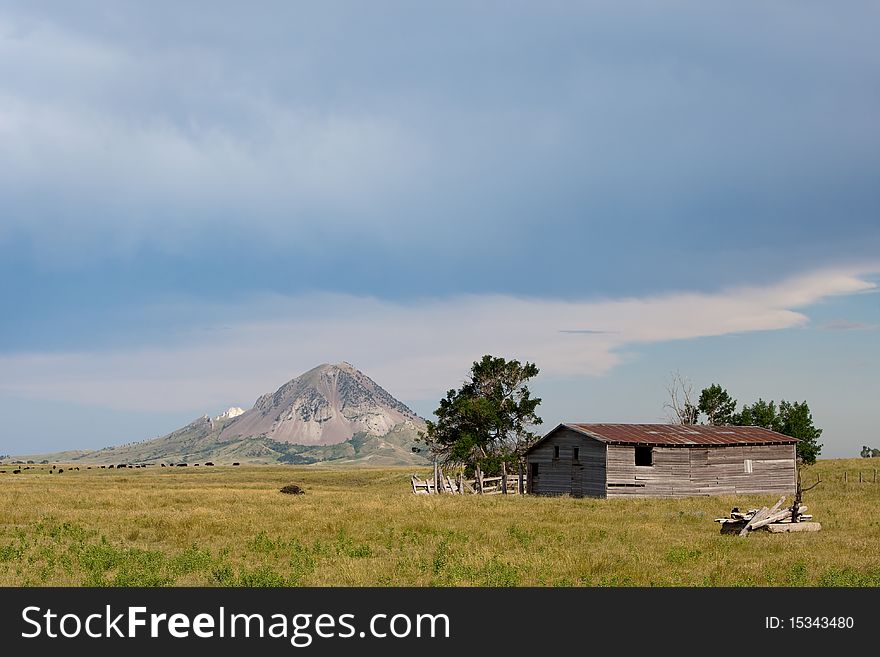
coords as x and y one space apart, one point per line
415 350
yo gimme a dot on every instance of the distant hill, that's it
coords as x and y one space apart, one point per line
330 413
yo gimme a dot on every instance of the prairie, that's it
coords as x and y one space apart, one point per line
230 526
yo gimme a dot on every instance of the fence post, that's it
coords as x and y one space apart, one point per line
479 480
522 490
503 478
460 483
436 470
860 476
844 476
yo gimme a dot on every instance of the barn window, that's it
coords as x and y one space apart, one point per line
575 453
644 455
747 466
534 469
556 451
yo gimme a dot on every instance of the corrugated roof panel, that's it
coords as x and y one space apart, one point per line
678 434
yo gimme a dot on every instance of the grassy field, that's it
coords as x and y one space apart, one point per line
231 527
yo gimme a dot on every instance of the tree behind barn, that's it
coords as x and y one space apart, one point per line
717 404
488 419
681 405
795 420
791 418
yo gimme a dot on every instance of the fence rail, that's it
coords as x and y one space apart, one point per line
500 485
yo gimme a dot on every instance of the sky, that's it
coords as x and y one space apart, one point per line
200 201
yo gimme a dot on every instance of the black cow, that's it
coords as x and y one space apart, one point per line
236 463
16 472
208 463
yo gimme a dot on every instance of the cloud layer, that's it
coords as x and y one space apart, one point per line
124 125
416 350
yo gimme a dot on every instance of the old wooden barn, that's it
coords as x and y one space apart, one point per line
613 460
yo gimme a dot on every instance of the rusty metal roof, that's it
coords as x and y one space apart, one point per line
680 434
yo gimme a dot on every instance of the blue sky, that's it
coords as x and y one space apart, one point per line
198 203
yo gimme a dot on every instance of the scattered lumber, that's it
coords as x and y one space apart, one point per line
779 528
775 519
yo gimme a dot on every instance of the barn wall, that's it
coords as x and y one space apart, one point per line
702 471
563 476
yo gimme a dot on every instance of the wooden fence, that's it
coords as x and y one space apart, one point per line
439 484
859 477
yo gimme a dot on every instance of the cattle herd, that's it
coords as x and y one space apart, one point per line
19 468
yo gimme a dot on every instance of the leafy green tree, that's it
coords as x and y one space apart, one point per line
866 452
717 404
488 419
791 418
759 414
796 420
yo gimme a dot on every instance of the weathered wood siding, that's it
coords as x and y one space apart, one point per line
702 471
564 475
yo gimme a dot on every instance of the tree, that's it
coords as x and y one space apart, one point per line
488 419
681 405
717 404
791 418
866 452
796 420
759 414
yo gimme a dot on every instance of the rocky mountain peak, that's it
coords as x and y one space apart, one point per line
324 406
228 414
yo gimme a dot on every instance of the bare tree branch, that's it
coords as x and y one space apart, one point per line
681 407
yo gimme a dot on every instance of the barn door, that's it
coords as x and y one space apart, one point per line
577 480
700 479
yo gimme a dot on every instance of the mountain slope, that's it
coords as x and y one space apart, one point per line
330 413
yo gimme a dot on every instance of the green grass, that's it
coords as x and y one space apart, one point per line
231 527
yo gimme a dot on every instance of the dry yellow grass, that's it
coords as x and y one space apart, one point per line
231 526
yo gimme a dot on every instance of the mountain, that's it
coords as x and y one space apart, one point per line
330 413
325 406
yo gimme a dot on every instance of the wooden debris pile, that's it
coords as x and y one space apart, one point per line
775 519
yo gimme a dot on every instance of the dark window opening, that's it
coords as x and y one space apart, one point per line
556 451
644 455
626 485
577 451
534 470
